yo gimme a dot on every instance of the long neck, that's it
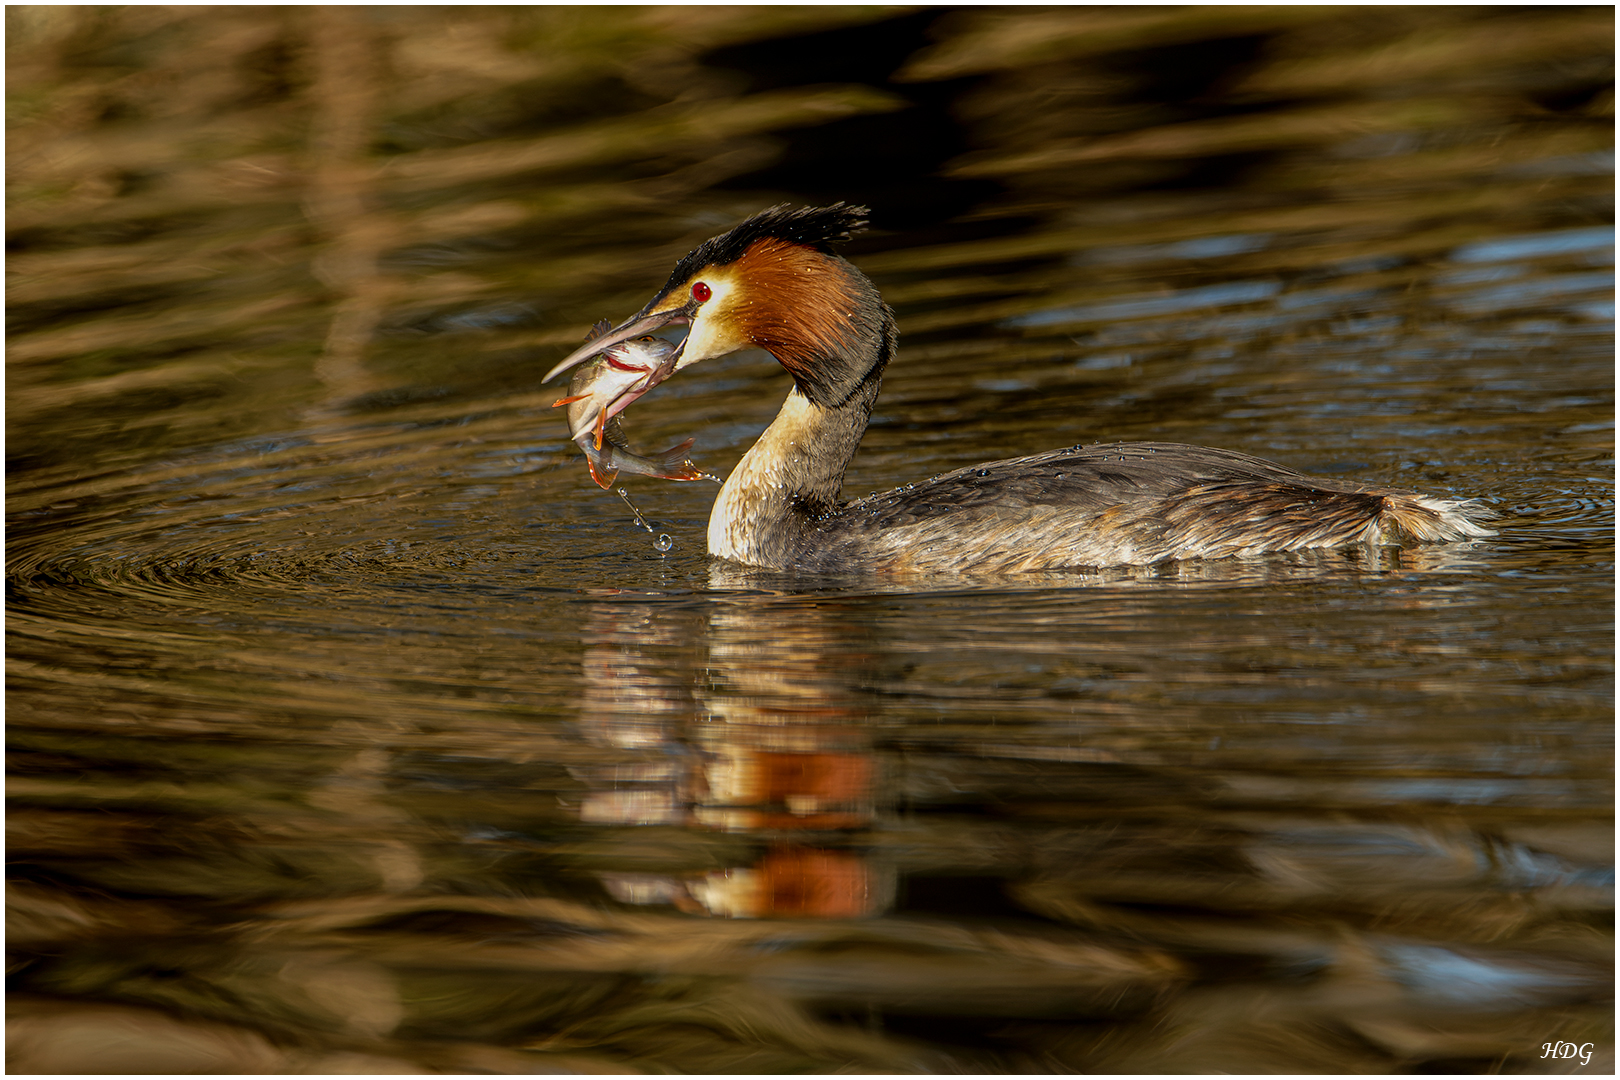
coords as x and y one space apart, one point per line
792 475
827 325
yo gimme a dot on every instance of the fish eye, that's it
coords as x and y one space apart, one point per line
701 292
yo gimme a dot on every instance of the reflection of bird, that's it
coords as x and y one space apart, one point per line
773 283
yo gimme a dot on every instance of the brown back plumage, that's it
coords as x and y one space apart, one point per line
1118 504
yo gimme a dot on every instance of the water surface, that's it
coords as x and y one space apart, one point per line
354 729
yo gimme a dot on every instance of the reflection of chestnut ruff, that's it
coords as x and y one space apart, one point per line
795 881
805 881
807 793
778 744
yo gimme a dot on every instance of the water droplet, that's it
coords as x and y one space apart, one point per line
663 543
625 495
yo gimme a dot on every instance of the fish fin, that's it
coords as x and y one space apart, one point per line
598 328
676 465
675 454
569 400
603 474
601 425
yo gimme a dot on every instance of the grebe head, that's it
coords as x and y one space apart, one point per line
772 283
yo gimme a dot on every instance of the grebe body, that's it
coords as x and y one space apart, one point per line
774 283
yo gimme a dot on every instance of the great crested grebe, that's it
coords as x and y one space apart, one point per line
774 283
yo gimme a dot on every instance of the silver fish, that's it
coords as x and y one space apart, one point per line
601 389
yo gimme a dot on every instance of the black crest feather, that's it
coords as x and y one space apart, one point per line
818 227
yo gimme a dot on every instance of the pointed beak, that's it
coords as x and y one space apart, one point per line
634 327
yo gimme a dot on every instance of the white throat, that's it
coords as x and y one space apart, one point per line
759 489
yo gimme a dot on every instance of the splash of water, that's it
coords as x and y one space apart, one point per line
625 495
664 541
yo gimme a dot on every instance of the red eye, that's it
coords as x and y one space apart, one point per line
701 292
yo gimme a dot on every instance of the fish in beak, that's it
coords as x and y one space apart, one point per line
601 389
634 327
